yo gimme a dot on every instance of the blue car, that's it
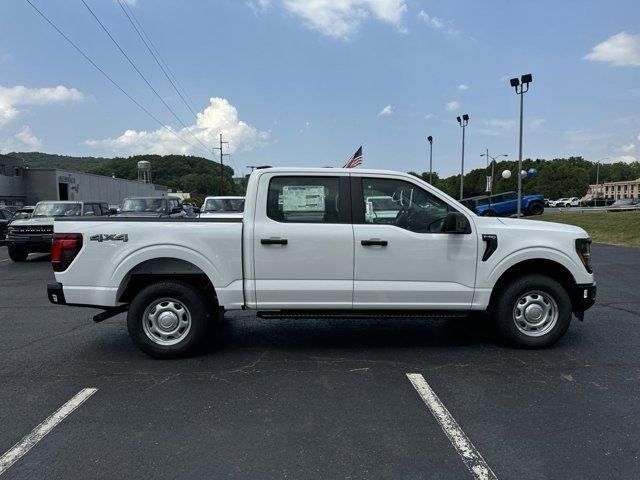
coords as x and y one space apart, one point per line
505 204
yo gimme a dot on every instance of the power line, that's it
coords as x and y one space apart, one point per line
156 55
86 57
131 62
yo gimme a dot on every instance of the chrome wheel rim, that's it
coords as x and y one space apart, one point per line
535 313
166 321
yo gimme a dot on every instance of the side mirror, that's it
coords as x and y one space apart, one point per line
456 222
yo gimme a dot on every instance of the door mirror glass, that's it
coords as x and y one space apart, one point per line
456 222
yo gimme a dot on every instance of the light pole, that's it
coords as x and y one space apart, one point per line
598 179
463 122
430 140
521 86
493 164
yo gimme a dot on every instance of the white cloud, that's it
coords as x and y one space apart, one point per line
452 106
24 139
497 127
537 122
10 97
388 110
585 136
219 116
436 23
342 18
630 147
620 50
259 6
463 87
27 138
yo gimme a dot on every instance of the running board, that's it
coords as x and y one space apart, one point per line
350 314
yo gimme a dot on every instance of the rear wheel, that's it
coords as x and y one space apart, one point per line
533 311
17 254
168 319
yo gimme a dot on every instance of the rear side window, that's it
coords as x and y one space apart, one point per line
96 210
304 199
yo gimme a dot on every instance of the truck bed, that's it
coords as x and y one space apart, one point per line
212 245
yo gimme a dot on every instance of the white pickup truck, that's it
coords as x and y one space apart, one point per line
310 244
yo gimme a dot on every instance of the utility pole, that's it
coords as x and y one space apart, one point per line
521 86
222 155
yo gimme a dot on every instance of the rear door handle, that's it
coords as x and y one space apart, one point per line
274 241
374 242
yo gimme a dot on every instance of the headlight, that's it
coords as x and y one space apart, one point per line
583 248
10 230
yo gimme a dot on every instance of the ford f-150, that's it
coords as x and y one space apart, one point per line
310 243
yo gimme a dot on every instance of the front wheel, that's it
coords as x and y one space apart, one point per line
168 319
17 254
533 311
536 209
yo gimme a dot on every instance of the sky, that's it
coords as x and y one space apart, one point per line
306 82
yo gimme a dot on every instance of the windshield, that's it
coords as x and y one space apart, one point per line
143 205
224 205
54 209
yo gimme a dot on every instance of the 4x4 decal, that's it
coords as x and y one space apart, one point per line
103 237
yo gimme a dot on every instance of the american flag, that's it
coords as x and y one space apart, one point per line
355 159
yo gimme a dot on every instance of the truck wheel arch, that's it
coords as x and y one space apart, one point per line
164 268
541 266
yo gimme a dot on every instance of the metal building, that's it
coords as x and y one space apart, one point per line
27 186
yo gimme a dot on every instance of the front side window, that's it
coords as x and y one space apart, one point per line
304 199
87 209
402 204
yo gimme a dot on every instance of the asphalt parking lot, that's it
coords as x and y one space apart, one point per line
321 399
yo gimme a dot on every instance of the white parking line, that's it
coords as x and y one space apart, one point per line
470 456
38 433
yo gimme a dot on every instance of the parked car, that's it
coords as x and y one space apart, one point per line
598 202
5 218
222 207
189 210
506 204
299 251
624 204
33 234
567 202
158 207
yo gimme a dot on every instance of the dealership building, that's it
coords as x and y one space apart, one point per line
20 185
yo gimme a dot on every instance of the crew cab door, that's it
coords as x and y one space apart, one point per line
402 259
303 242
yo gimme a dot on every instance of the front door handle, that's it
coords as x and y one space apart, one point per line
274 241
374 242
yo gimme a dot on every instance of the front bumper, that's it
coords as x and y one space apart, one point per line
31 243
583 298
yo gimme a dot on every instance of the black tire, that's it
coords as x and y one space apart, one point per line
17 254
503 311
488 213
190 303
535 208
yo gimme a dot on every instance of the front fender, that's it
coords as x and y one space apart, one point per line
577 271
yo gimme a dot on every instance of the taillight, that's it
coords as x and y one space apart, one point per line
583 248
64 248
